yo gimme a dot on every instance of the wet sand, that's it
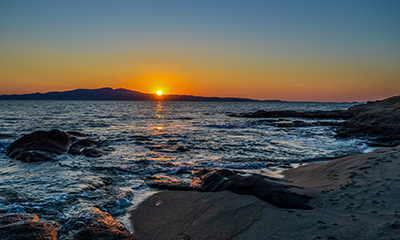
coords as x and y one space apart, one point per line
355 197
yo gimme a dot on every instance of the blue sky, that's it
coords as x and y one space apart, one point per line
268 41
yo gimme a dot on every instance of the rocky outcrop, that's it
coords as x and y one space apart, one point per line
39 146
378 120
375 119
250 184
45 145
27 226
103 227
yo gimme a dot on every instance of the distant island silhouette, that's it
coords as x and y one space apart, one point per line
121 94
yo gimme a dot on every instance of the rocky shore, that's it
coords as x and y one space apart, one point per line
379 121
354 197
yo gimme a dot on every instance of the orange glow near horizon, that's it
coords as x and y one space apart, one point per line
270 51
259 78
204 74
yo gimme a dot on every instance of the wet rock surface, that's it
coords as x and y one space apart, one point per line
103 227
250 184
45 145
39 146
24 226
87 147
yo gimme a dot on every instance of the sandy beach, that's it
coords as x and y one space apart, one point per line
355 197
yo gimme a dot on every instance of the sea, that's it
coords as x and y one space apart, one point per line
151 140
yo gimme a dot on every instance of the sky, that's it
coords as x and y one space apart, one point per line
309 50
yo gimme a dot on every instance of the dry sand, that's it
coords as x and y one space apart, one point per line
356 197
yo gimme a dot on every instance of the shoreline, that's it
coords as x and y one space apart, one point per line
354 197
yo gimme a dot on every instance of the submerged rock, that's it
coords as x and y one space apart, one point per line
39 146
45 145
103 227
27 226
250 184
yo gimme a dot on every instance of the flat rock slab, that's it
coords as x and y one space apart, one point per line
195 215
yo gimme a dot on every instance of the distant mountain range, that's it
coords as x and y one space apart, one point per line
119 95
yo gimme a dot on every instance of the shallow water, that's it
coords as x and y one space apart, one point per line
148 139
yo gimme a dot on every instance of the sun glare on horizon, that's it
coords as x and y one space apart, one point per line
159 93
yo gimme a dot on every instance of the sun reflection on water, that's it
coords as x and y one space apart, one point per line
160 110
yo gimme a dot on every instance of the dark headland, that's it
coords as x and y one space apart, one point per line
109 94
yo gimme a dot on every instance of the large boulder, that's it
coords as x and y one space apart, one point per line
39 146
45 145
103 227
375 119
25 226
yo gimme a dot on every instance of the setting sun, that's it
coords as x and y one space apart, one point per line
159 93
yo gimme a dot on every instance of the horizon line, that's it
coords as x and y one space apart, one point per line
188 95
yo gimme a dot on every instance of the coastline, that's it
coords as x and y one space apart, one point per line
346 198
355 197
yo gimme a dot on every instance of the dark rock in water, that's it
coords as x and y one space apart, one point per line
44 146
254 184
26 226
92 152
335 114
39 146
35 156
87 147
103 227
